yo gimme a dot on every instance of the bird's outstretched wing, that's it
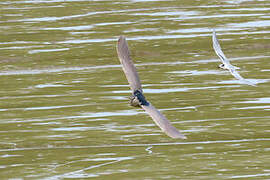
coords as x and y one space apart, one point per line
219 52
127 64
163 122
236 74
240 78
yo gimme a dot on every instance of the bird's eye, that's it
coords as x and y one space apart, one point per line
222 65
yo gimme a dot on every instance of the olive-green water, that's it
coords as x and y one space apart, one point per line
64 109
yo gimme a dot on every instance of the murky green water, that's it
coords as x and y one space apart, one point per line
64 109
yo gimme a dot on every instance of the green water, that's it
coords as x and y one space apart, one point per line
64 109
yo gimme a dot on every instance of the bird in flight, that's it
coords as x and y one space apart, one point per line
226 63
137 99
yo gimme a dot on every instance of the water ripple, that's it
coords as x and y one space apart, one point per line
69 69
141 145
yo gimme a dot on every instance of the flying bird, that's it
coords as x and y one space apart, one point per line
137 99
226 63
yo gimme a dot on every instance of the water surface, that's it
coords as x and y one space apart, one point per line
64 109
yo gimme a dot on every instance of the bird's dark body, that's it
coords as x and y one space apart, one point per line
138 99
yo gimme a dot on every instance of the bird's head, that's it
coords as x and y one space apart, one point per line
222 66
134 101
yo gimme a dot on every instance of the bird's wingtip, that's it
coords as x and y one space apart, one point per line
174 133
121 38
121 41
179 136
184 137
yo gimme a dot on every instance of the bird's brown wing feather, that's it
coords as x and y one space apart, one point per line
127 64
163 122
